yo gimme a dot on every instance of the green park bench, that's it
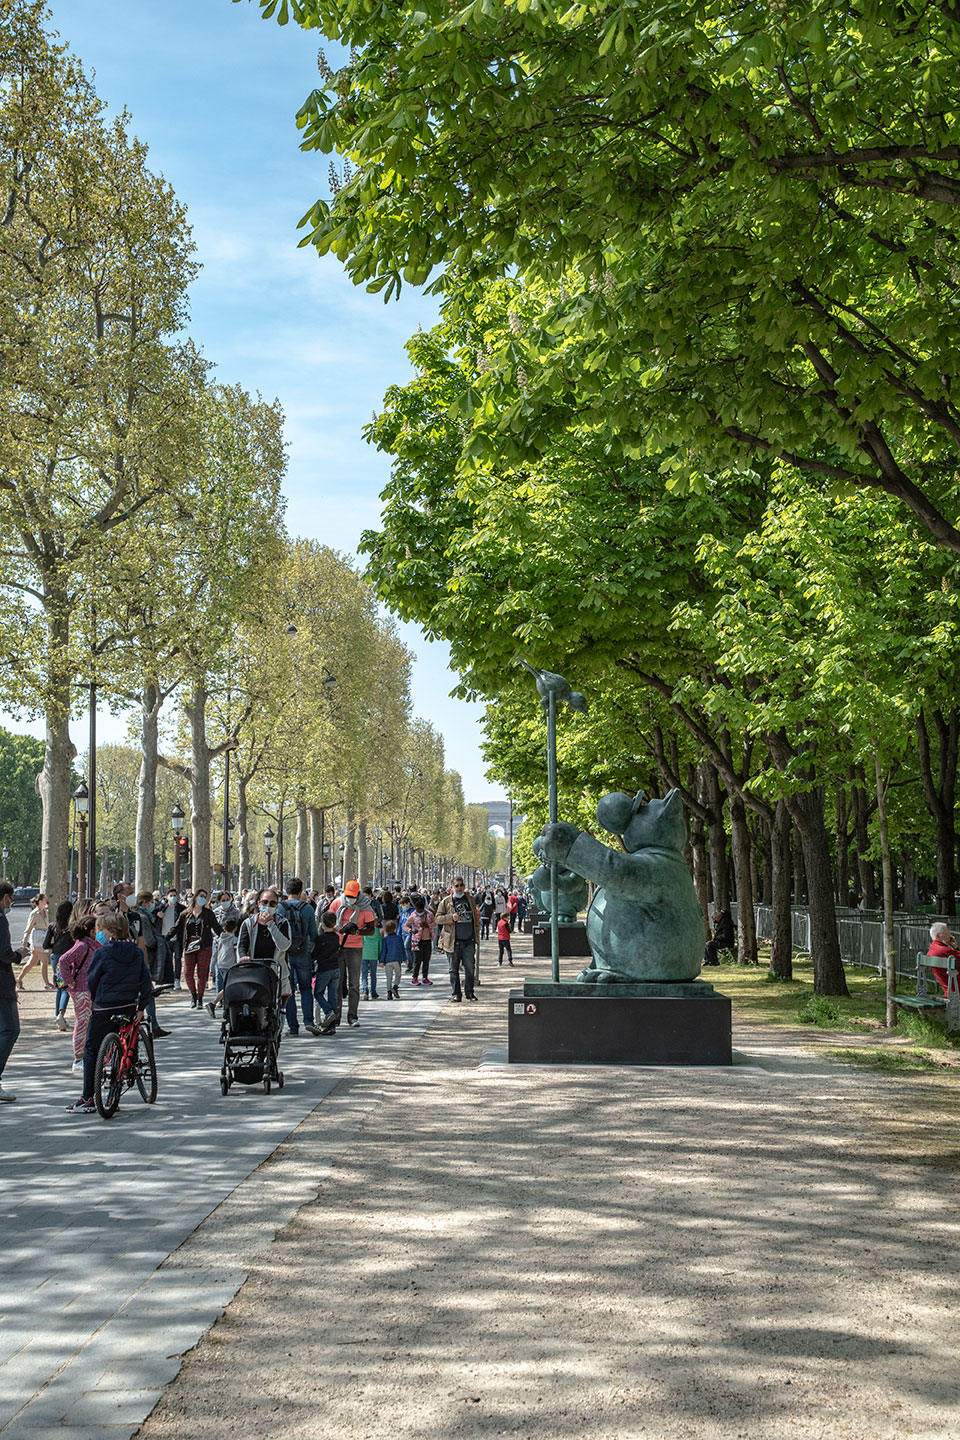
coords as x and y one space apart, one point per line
928 997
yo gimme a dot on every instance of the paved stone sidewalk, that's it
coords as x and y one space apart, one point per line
90 1328
662 1254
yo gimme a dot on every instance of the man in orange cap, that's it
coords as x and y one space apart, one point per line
353 922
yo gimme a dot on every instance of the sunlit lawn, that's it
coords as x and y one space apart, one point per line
919 1043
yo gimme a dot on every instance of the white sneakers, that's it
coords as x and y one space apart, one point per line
5 1094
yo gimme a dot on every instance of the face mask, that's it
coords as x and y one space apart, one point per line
201 899
171 899
101 936
268 909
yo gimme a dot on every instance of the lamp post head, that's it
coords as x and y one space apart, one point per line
177 818
268 839
81 798
230 827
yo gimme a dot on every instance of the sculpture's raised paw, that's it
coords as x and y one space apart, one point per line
554 841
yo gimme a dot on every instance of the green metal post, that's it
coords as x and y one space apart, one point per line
552 795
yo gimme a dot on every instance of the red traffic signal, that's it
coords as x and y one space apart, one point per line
183 847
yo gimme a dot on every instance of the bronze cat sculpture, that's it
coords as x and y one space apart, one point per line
644 923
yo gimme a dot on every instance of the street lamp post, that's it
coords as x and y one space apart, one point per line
6 856
176 820
81 802
228 828
510 876
268 847
326 860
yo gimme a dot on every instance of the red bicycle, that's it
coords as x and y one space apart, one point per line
125 1059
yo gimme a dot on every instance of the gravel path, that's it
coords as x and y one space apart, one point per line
601 1256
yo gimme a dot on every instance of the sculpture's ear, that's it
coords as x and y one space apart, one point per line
672 826
614 812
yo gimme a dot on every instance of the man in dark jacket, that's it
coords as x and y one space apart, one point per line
120 988
9 1013
302 926
724 937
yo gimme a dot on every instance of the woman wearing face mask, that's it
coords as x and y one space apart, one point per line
195 930
74 965
266 936
166 915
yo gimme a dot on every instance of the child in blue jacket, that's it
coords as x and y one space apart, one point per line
392 956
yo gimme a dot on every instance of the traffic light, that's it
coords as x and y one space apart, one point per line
183 849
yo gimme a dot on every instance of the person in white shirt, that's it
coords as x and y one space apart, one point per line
37 924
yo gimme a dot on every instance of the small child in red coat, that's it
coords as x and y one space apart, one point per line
503 940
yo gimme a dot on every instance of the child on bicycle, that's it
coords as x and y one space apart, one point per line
120 987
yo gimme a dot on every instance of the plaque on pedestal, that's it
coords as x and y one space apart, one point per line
573 939
658 1023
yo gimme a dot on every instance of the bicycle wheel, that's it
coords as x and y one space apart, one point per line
107 1079
145 1066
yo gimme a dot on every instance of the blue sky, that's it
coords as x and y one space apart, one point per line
213 90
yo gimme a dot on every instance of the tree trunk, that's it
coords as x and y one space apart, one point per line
363 866
196 711
799 886
699 868
316 849
940 794
712 797
781 876
890 968
861 835
909 881
147 791
53 782
301 861
746 919
766 868
349 848
807 812
243 838
843 846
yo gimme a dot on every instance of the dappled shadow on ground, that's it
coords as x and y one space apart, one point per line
602 1255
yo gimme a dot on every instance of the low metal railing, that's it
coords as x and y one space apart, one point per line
861 934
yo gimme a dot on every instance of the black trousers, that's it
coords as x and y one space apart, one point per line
421 959
463 954
350 960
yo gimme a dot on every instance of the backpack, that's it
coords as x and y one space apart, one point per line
293 910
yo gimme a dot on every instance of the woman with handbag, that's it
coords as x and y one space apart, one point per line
195 930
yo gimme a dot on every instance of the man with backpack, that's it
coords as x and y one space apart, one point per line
302 924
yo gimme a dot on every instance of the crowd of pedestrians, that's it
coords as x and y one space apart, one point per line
335 949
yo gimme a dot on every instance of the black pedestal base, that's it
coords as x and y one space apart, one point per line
596 1030
573 940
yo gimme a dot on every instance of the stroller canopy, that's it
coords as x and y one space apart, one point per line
254 982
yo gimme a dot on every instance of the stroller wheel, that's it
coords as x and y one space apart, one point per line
266 1084
224 1084
279 1079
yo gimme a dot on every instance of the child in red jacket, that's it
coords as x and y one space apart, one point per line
503 940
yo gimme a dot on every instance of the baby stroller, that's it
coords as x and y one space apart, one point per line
252 1023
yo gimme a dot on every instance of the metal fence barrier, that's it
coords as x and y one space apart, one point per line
861 934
